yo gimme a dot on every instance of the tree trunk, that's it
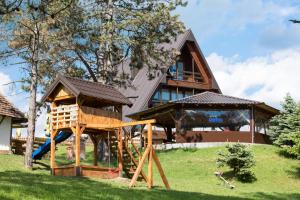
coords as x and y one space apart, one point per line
31 112
31 119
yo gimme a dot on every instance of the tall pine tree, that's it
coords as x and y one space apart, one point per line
285 127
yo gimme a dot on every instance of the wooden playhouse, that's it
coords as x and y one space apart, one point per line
79 106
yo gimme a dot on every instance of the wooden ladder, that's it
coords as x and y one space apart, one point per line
130 162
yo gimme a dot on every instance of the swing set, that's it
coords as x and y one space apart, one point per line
83 107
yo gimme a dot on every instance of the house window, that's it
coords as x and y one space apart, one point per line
172 70
180 95
180 70
173 95
188 93
165 95
157 95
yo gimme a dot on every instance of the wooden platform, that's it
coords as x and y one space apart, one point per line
86 171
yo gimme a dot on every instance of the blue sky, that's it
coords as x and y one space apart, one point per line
251 47
244 27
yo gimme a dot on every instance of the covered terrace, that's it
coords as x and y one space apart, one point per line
211 117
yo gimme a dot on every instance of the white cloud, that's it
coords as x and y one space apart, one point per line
213 16
265 79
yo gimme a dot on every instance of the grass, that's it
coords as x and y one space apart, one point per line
190 173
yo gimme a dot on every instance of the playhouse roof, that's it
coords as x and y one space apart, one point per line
87 88
8 109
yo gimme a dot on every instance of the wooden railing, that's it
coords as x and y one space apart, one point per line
192 76
64 116
187 76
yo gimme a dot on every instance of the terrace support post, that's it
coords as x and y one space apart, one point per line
252 125
52 151
120 150
150 157
169 134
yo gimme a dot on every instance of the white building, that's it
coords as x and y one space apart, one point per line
10 117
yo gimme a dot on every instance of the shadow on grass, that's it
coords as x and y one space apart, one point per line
229 175
36 186
285 154
23 185
41 166
295 172
276 196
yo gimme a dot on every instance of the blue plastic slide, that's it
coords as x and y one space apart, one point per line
45 148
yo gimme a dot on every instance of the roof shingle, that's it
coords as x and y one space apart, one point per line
7 109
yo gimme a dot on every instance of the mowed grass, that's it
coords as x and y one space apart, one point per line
190 173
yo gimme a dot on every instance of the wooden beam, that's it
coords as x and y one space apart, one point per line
136 163
150 158
160 169
136 149
134 123
139 168
52 149
77 144
120 150
198 62
121 124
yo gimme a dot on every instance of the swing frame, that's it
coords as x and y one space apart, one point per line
80 170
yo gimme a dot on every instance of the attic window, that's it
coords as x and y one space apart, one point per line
176 71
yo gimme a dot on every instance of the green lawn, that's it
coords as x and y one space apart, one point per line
190 173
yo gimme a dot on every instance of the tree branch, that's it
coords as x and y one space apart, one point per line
86 64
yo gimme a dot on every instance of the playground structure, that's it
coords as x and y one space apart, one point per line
78 107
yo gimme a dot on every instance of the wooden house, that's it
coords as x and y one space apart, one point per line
168 97
10 117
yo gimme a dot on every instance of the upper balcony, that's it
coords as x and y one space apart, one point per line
186 76
66 116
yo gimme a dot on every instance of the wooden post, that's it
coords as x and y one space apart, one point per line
120 149
160 170
150 164
139 168
77 150
52 151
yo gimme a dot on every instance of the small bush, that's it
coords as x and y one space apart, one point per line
240 159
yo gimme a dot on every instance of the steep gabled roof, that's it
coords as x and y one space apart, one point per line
87 88
143 88
7 109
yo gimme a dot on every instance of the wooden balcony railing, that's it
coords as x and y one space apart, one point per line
187 76
64 116
68 115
